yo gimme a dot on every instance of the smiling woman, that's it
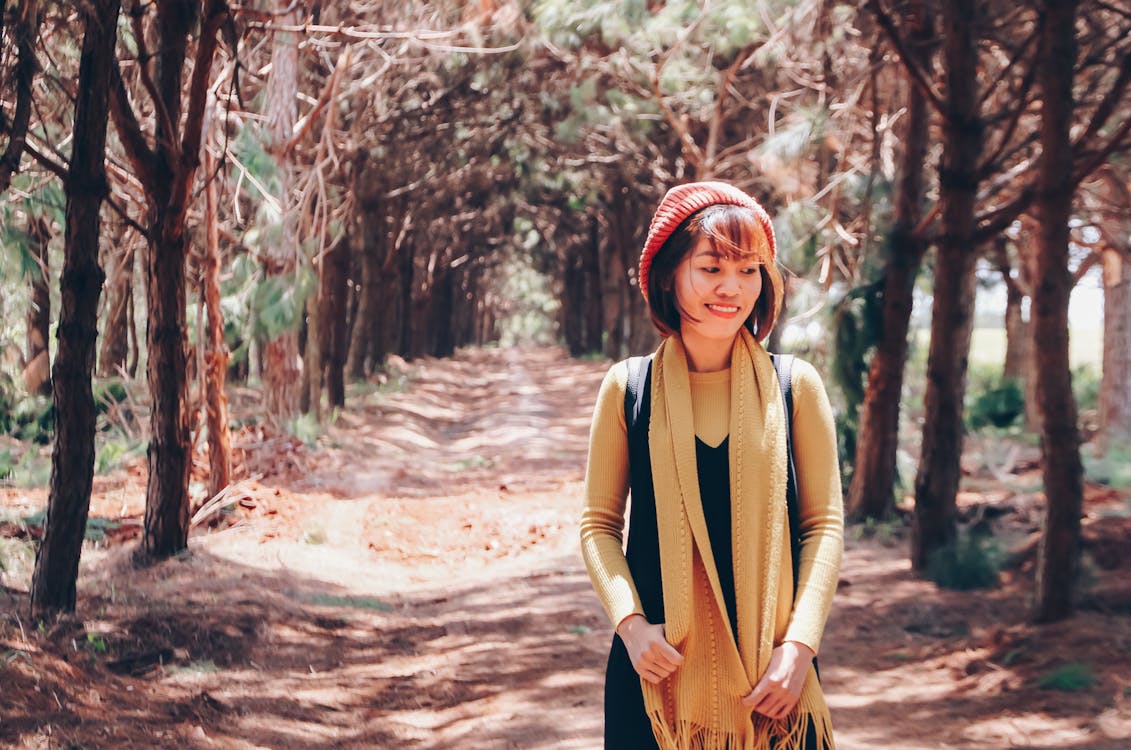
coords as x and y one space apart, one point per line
717 622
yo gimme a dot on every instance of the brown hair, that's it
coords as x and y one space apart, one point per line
733 232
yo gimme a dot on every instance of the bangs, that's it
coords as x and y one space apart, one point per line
733 232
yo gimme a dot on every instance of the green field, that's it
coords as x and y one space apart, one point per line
988 346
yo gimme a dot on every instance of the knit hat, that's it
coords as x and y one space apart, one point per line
682 201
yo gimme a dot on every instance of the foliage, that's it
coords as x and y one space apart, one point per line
1086 387
1068 678
1112 469
969 562
1000 404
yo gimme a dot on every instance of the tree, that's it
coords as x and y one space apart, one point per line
37 367
282 255
72 459
1114 223
166 170
1059 553
871 492
952 316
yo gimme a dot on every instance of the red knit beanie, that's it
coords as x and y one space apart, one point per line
682 201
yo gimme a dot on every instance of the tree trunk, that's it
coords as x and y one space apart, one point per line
114 356
37 370
216 357
335 275
281 373
365 317
1115 386
407 267
72 459
1059 555
167 170
593 311
872 491
310 397
952 319
1016 330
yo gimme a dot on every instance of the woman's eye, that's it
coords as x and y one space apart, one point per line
750 271
710 269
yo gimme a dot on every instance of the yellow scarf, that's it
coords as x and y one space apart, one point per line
699 706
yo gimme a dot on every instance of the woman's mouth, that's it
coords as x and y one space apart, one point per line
725 311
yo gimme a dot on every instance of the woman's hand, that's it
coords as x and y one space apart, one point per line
653 658
777 693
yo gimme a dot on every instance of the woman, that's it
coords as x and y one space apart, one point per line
715 638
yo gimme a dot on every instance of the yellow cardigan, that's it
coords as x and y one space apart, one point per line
801 618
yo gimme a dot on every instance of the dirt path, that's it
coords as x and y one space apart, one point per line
418 585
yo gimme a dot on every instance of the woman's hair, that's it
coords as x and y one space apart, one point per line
733 232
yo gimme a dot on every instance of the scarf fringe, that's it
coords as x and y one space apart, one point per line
761 733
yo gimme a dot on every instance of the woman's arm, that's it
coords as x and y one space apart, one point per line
819 504
606 494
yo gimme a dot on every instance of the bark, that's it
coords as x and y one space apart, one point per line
216 355
872 491
167 171
406 266
1016 327
24 34
1115 386
72 459
592 312
334 297
281 373
37 370
1058 558
952 319
115 351
310 399
572 305
370 244
441 304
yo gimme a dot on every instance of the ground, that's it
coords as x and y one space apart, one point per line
412 580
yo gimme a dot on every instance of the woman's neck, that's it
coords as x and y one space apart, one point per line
707 355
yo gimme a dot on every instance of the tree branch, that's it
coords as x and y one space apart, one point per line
25 32
129 131
47 162
198 99
1108 104
917 74
1022 100
996 221
137 13
1099 157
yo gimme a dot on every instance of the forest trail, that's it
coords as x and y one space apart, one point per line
415 582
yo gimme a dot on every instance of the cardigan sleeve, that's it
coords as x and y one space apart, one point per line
606 493
820 505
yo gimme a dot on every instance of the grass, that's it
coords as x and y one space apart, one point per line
352 602
1069 678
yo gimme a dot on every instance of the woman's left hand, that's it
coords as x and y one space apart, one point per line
777 693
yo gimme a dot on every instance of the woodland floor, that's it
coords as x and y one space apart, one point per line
413 581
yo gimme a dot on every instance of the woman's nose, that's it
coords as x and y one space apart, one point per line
728 284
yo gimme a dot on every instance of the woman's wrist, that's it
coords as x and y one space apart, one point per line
627 625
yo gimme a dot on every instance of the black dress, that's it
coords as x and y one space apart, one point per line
626 722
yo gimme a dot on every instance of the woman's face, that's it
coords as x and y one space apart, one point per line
715 293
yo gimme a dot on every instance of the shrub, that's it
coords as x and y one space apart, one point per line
968 563
999 404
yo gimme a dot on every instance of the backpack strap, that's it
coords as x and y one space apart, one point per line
639 376
783 365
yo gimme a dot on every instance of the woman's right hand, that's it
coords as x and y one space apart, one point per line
653 658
